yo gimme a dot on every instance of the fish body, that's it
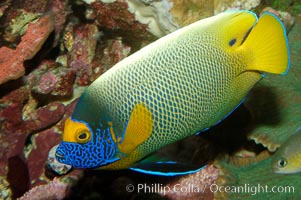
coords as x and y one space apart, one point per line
178 86
287 160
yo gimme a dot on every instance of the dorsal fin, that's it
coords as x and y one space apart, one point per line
234 26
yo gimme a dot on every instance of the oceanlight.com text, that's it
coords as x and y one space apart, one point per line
252 189
191 188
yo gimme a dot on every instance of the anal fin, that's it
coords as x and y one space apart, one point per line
168 168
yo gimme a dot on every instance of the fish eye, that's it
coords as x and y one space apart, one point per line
282 162
83 136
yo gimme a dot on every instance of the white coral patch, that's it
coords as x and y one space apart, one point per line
155 14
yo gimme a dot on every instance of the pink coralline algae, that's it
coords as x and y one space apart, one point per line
41 146
194 186
116 17
57 189
15 133
40 80
47 115
50 79
115 52
84 57
80 42
61 49
31 42
59 9
47 82
15 130
12 126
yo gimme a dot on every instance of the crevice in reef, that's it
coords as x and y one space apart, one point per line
18 176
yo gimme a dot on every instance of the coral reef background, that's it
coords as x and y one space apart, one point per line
51 50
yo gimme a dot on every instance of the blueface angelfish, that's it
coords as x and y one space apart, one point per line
287 159
178 86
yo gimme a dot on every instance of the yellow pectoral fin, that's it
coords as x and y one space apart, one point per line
138 129
267 45
124 162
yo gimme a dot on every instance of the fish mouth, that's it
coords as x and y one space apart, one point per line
59 156
276 170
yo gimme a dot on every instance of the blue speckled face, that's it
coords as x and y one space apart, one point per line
98 151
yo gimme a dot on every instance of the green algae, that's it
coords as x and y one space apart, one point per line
257 181
18 26
293 6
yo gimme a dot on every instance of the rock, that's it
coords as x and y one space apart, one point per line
52 81
35 36
224 5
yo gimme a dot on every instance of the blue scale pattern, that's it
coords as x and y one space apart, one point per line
100 150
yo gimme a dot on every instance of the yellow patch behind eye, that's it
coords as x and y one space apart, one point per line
76 132
139 128
294 160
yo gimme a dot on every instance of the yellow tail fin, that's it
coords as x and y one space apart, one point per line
268 46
